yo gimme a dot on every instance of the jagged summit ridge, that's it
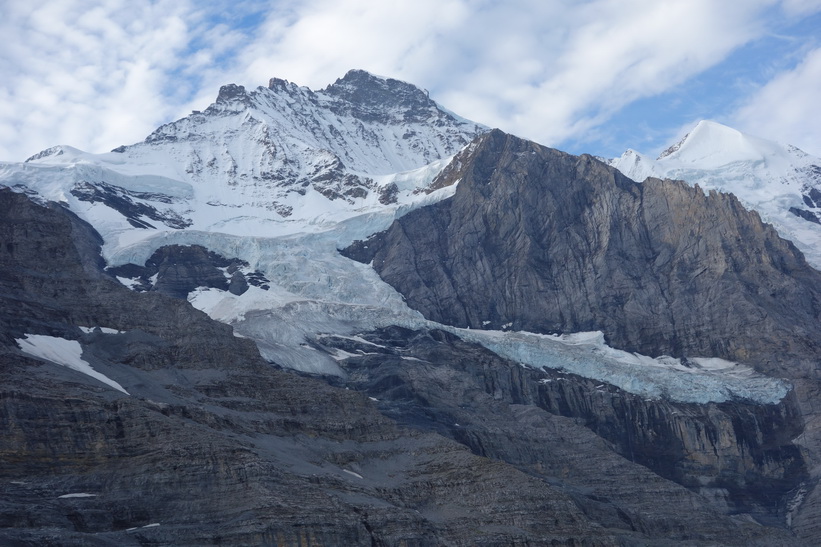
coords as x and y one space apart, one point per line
273 145
276 153
370 97
358 107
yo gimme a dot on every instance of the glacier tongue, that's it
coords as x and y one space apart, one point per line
701 380
320 292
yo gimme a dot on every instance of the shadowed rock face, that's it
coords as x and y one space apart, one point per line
213 445
176 270
738 453
550 242
372 98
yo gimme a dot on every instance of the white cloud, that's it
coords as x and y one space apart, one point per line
548 70
786 108
626 51
86 73
801 7
99 73
323 39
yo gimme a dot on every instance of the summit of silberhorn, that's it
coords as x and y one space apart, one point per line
779 181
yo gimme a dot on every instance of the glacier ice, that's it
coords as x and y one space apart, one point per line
313 289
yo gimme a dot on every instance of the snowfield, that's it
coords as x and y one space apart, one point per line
765 176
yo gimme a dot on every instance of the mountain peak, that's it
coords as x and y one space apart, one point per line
704 130
711 144
779 181
232 92
359 78
273 146
367 92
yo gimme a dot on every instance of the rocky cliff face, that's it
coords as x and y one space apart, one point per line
780 182
538 240
738 454
213 445
177 270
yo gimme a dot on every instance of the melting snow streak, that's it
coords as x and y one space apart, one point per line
63 352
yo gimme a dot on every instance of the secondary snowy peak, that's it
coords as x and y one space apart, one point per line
711 145
780 182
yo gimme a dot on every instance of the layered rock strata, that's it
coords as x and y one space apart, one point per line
739 454
213 445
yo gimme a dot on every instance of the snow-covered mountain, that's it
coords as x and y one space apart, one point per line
243 208
281 152
280 177
283 177
781 182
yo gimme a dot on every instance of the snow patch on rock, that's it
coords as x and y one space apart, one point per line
60 351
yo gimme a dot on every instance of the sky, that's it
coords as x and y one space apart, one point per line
585 76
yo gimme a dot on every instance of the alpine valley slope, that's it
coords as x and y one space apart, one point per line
241 210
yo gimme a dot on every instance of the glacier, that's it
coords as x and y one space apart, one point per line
248 175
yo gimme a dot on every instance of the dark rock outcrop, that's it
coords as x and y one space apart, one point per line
176 270
371 98
132 205
809 216
740 453
549 242
212 444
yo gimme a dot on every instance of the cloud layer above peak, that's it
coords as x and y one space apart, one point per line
595 76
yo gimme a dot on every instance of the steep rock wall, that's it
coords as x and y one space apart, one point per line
737 452
213 445
543 241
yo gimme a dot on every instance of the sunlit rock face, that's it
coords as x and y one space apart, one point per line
779 181
543 241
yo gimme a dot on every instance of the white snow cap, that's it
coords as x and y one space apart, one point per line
711 145
766 176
